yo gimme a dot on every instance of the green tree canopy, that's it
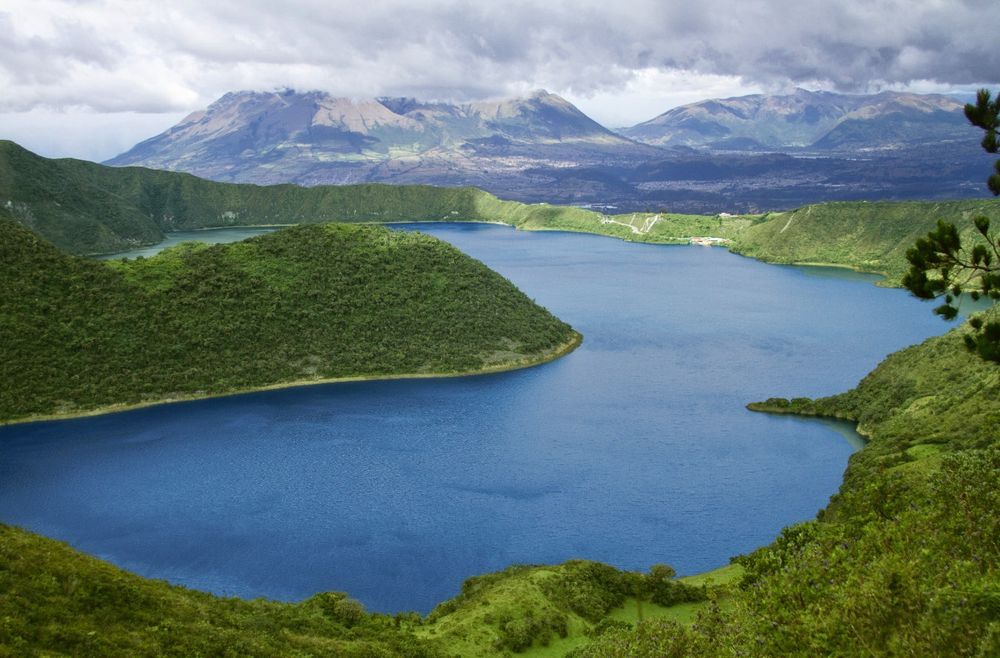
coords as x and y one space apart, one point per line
942 265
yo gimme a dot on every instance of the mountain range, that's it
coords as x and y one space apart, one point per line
314 138
809 120
759 152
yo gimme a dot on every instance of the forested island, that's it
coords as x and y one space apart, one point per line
308 304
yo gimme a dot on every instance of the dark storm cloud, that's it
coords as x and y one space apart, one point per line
150 56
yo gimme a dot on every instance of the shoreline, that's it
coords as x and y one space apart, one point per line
559 351
764 408
884 281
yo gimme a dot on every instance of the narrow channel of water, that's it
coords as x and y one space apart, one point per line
208 236
633 450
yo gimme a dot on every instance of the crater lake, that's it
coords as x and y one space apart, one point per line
633 450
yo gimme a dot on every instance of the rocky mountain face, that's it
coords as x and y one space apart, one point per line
748 154
315 138
806 120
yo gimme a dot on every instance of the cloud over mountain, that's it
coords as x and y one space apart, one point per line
115 55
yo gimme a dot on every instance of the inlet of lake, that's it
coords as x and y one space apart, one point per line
633 450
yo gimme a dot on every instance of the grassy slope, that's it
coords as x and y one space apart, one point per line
863 235
921 402
905 561
57 601
304 304
548 610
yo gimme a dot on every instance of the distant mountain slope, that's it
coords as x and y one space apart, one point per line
313 137
713 156
806 119
304 304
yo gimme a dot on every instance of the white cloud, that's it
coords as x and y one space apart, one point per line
651 92
165 57
81 133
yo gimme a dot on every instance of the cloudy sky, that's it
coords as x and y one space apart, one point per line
89 78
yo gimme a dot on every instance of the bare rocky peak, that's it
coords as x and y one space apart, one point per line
253 128
363 115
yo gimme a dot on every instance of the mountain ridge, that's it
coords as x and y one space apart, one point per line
244 136
541 148
817 120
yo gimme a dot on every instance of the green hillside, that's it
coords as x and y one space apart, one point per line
869 236
55 601
87 208
305 304
58 601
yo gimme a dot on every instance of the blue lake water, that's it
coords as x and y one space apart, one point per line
635 449
208 236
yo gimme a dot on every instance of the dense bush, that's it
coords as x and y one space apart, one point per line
519 633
